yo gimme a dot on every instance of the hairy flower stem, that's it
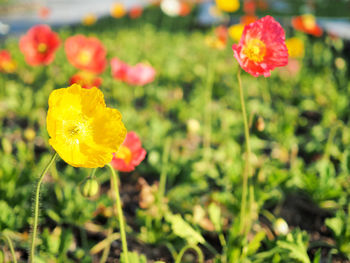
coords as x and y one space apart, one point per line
36 208
9 242
244 221
120 213
163 174
195 248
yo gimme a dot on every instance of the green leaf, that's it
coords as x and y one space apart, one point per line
336 225
214 212
317 258
184 230
255 243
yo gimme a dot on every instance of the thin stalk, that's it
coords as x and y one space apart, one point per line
163 174
207 109
330 140
195 248
107 247
224 247
36 208
243 220
120 213
9 242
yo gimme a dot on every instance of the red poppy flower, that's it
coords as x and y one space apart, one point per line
86 53
247 19
140 74
39 45
249 7
7 64
130 154
86 80
307 24
262 47
135 12
185 9
44 12
119 69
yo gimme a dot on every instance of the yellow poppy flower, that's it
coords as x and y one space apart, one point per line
295 47
118 10
235 32
89 20
227 5
84 132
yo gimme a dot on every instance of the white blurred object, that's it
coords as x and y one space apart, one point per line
338 28
4 28
171 7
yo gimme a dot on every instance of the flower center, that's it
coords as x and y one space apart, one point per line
309 21
124 153
255 50
75 131
42 47
84 57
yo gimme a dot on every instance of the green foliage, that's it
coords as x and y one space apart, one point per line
300 137
340 226
134 257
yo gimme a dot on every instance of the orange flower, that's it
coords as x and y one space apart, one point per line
39 45
86 80
185 9
44 12
118 10
247 19
307 24
220 39
130 154
262 47
135 12
7 64
86 53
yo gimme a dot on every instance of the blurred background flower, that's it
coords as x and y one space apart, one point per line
39 45
86 53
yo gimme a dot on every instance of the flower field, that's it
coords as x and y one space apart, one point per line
145 137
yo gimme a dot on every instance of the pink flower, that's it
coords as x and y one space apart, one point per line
141 74
119 69
130 154
262 47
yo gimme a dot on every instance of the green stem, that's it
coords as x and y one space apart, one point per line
330 140
107 248
195 248
9 242
163 174
244 221
120 213
36 208
207 109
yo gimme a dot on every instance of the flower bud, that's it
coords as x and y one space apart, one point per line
260 124
29 134
89 188
193 126
281 227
